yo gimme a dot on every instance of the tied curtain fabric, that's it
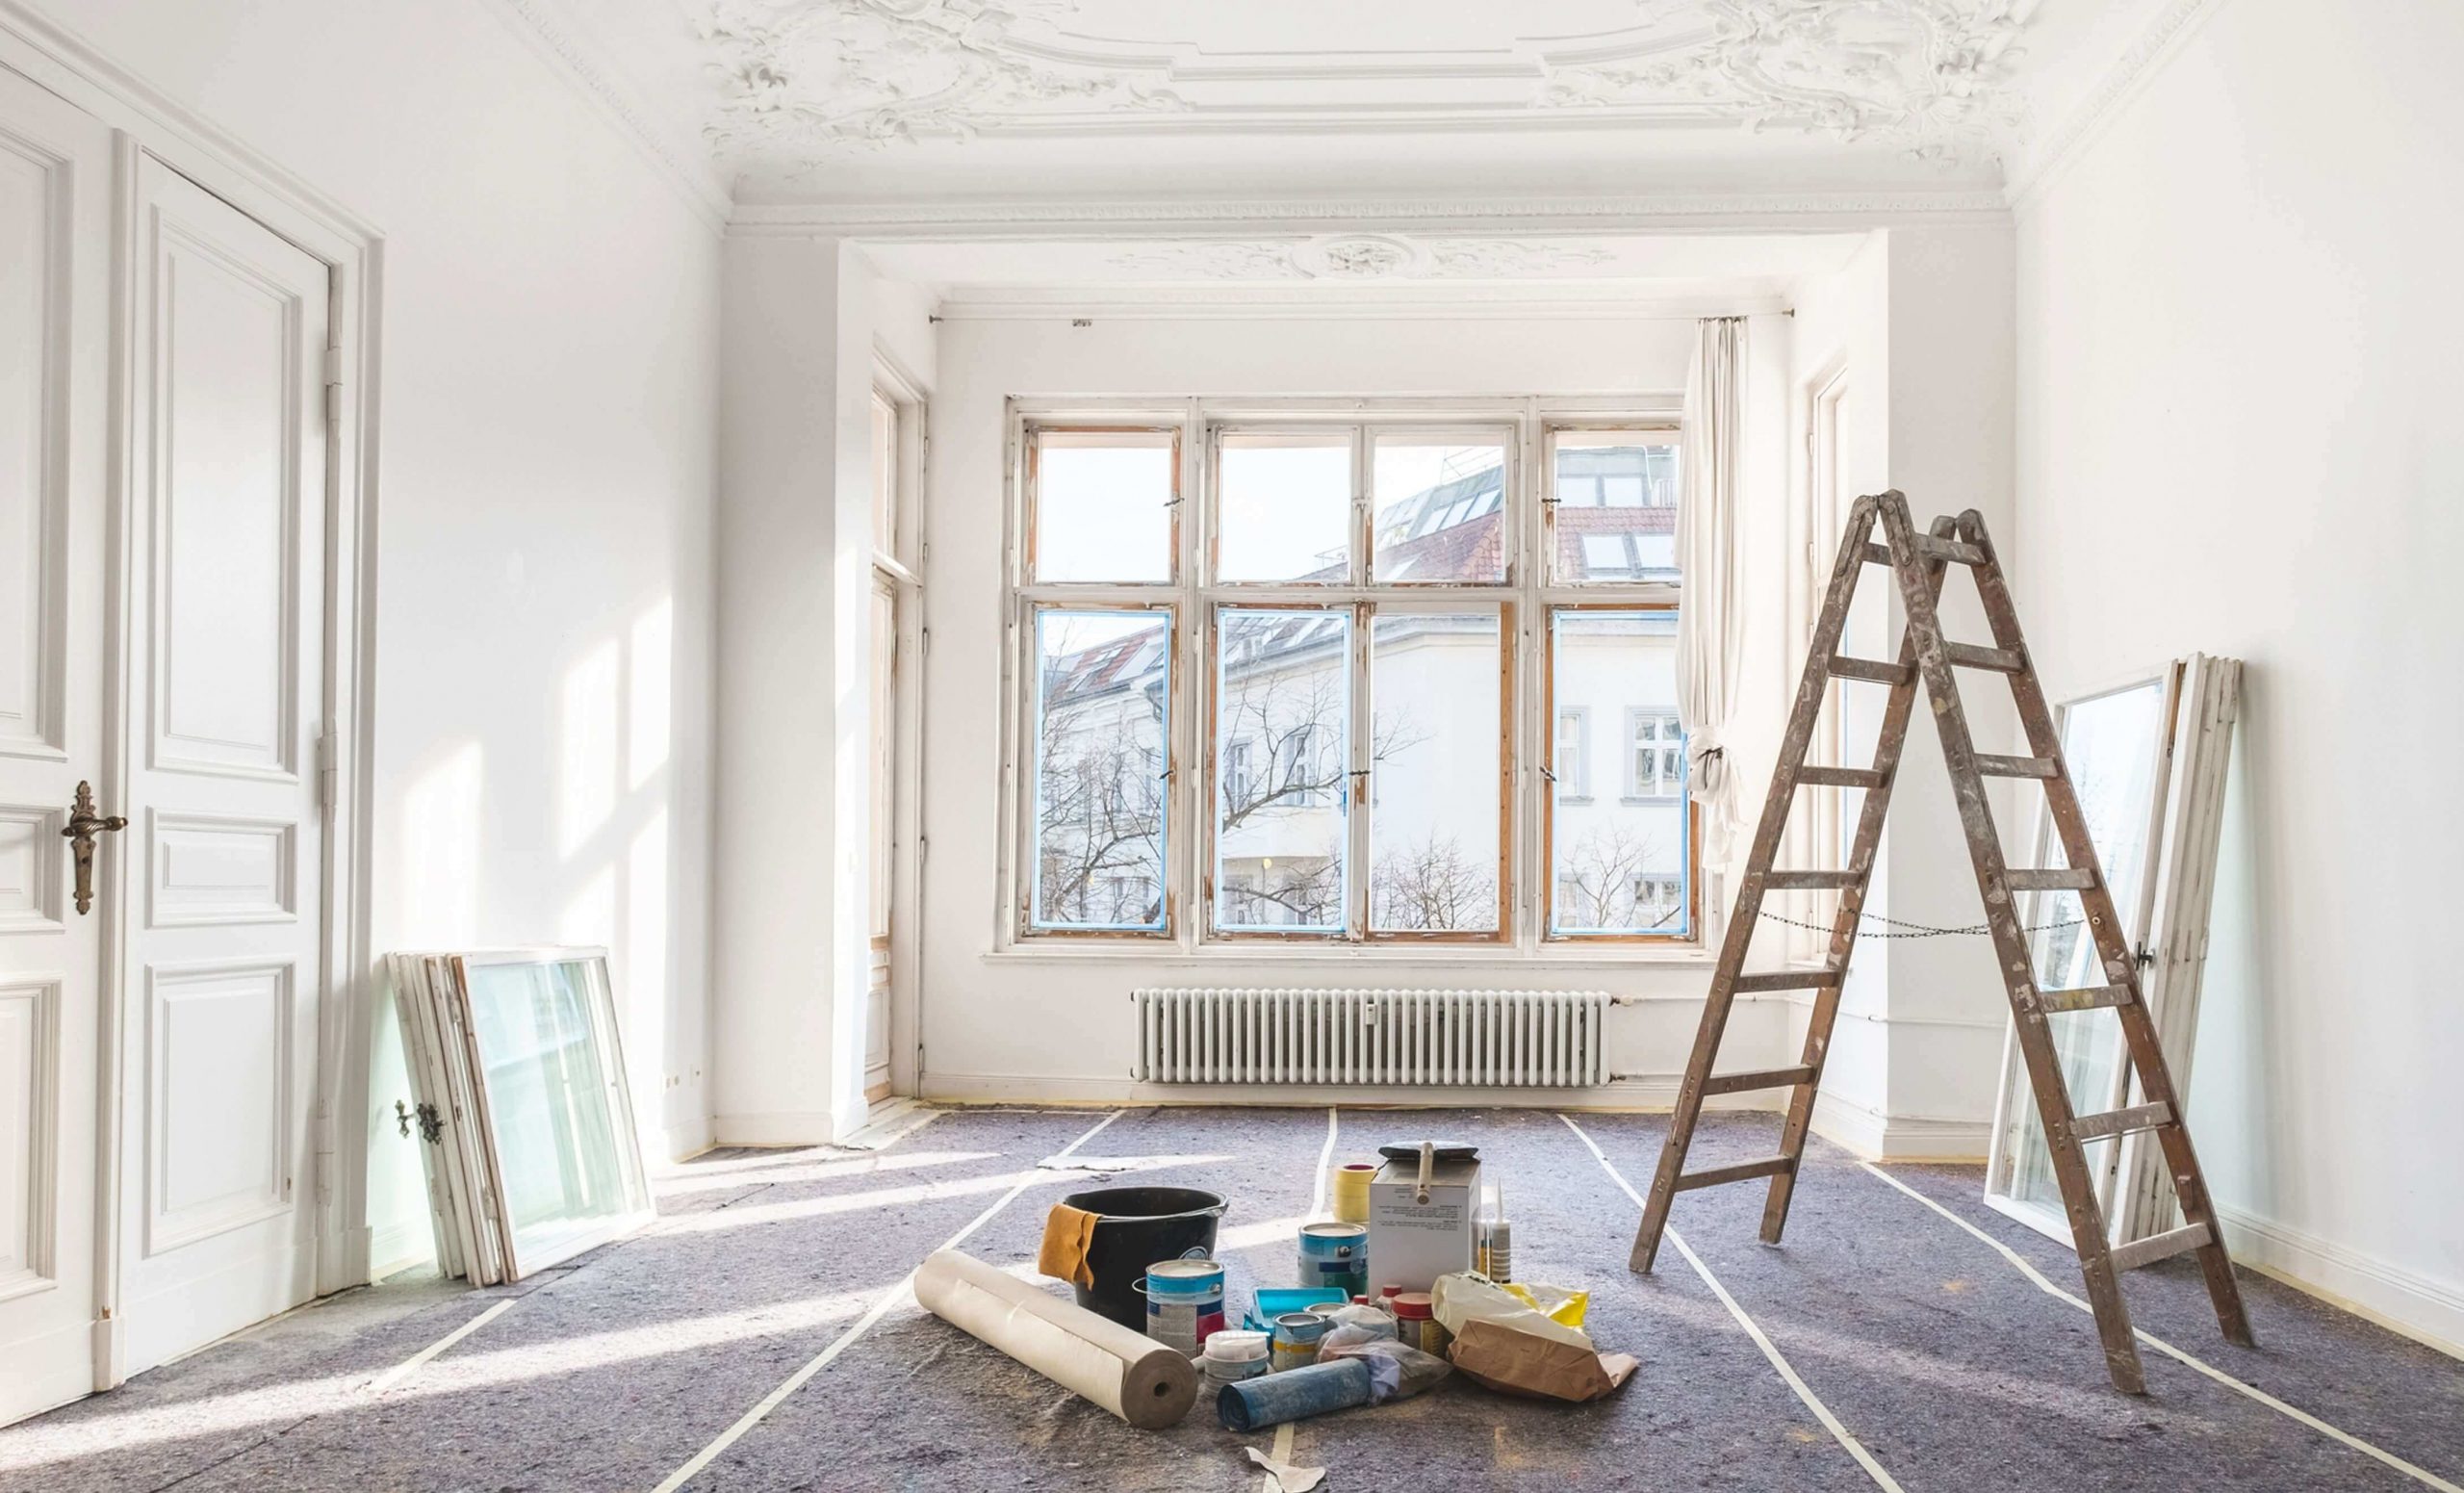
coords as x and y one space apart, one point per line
1709 625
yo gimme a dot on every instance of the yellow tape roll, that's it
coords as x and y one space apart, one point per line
1350 1190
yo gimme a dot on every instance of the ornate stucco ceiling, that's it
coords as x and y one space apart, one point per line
886 101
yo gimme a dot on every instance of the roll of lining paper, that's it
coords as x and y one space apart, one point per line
1130 1374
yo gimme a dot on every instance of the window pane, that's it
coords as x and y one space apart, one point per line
1102 696
1283 754
1440 509
1618 866
1623 525
1434 771
1285 508
1103 504
884 475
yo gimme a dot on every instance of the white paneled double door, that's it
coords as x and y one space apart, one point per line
159 1013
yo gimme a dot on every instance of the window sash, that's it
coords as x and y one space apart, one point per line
1034 822
1555 892
1527 600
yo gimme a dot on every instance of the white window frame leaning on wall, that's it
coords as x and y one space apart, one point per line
1527 600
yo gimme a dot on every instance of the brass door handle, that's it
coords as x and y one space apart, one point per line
83 823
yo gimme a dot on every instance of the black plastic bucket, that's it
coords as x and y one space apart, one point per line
1137 1227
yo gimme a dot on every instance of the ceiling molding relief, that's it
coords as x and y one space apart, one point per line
1935 77
551 32
1406 301
1354 257
830 74
2172 25
1306 217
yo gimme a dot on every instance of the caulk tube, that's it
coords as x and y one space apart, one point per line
1293 1394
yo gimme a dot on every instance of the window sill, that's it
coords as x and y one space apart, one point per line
1651 800
1236 956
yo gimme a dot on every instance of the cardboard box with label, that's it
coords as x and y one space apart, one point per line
1412 1243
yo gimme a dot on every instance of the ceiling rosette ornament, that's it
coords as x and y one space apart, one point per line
1932 76
817 75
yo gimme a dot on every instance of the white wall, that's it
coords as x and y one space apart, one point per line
1051 1022
805 319
543 603
1920 323
2238 318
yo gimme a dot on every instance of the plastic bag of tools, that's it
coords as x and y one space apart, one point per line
1524 1339
1397 1370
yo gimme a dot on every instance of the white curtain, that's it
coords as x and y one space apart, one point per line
1710 625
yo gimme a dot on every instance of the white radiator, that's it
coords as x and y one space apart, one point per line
1546 1038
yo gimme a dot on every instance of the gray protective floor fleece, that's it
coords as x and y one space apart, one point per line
1946 1362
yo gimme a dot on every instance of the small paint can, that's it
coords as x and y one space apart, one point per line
1232 1355
1335 1257
1416 1323
1297 1336
1351 1191
1184 1302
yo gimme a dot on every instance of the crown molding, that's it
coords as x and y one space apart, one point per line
2173 24
544 26
1150 218
1412 302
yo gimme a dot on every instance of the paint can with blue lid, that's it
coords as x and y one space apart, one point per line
1184 1302
1335 1257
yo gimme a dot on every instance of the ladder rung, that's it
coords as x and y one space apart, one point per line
1877 553
1787 980
1838 778
1810 881
1764 1078
1742 1172
1844 667
2057 879
2158 1246
2087 998
1971 655
2120 1122
2014 766
1950 550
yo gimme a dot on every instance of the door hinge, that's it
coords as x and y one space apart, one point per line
326 771
333 386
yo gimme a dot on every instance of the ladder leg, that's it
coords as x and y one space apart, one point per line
2011 949
2139 1029
1871 813
1811 686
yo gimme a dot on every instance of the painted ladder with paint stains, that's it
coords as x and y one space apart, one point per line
1919 565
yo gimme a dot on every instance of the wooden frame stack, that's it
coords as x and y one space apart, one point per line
466 1129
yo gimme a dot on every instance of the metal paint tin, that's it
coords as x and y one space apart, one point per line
1184 1302
1297 1336
1335 1257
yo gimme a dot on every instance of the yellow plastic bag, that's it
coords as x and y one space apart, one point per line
1563 1307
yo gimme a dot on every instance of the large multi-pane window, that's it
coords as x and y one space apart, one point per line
1419 669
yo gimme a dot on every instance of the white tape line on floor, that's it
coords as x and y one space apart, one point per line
1812 1402
2021 1263
411 1365
880 1308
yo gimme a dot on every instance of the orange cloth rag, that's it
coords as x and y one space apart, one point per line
1068 1234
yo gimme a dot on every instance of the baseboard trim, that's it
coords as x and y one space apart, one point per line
2430 1312
1876 1137
772 1127
1644 1095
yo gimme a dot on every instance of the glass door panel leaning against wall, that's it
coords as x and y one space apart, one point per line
1100 733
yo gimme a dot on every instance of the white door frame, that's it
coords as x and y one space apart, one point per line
148 122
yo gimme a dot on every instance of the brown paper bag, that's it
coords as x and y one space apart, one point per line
1513 1362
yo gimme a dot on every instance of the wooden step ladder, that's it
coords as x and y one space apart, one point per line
1919 563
